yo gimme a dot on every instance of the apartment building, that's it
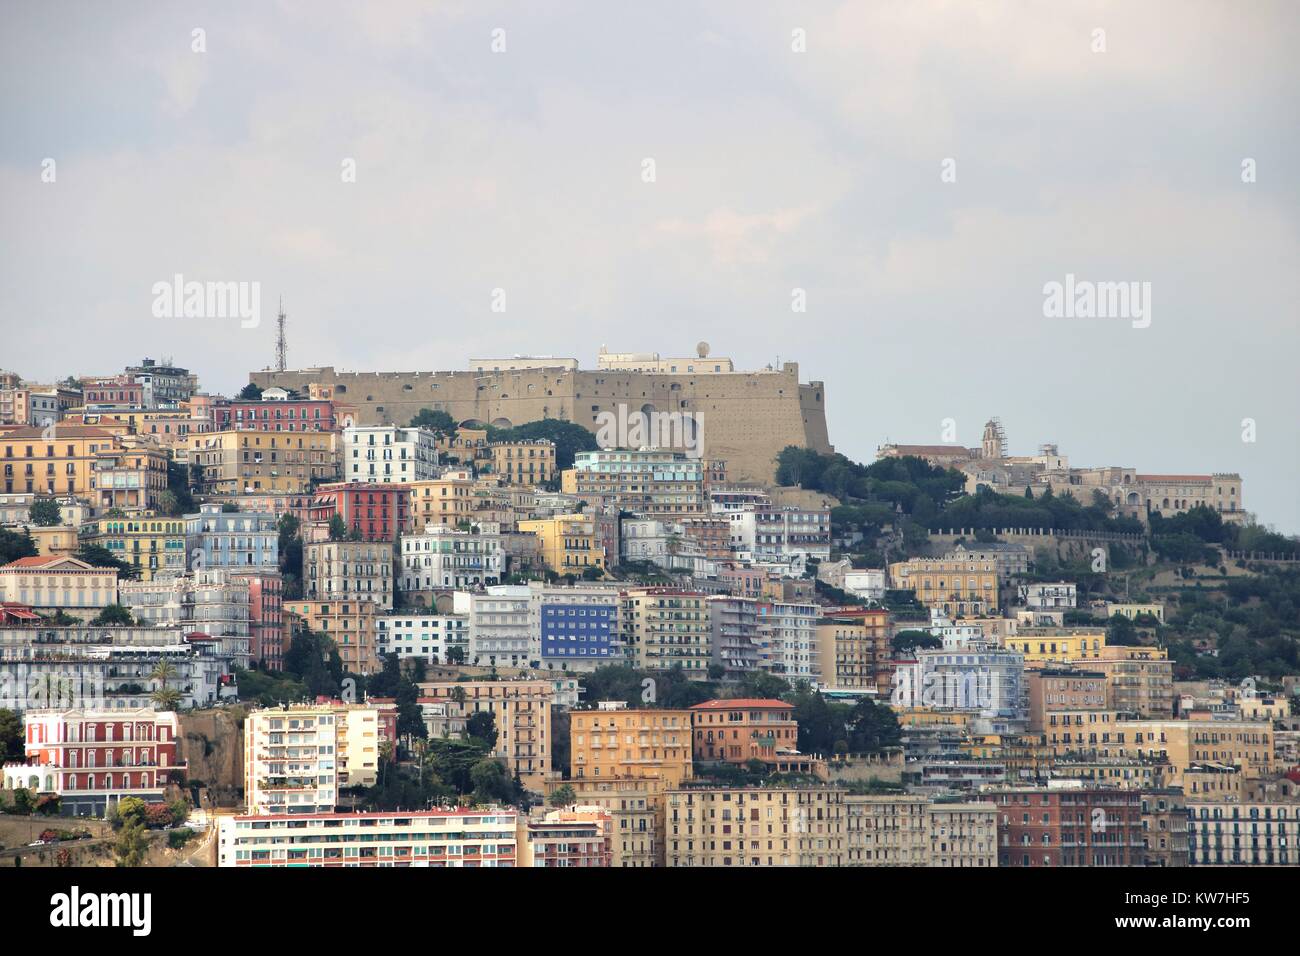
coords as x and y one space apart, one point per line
1068 826
618 743
666 627
958 586
348 571
275 412
389 454
1139 680
501 626
760 826
1058 645
852 652
886 830
434 638
53 583
524 462
250 462
779 535
441 557
522 710
214 603
1060 595
447 501
565 838
351 623
577 627
743 729
418 838
91 759
369 512
233 540
148 541
787 640
648 482
569 543
265 616
734 624
636 822
1056 694
1244 834
1165 827
81 460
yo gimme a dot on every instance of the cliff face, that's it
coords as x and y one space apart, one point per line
212 744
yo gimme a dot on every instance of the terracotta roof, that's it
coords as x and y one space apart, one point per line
742 702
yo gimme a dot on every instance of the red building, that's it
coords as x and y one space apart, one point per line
112 392
265 617
744 729
1049 827
93 758
378 512
275 415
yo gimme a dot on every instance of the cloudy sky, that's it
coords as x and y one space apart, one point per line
775 169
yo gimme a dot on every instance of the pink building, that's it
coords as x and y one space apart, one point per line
265 617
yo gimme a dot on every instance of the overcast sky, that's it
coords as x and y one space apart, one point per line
775 170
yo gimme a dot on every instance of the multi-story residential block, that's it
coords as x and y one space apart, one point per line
1164 827
84 461
635 808
163 384
618 743
148 541
744 729
501 627
755 827
781 535
441 557
956 586
787 640
297 758
265 616
389 454
251 462
91 759
50 584
734 624
418 838
1058 645
524 462
569 543
962 834
434 638
1183 744
522 711
103 668
208 602
853 651
667 627
348 571
886 830
577 627
982 678
1058 695
233 540
648 482
447 501
129 479
1061 595
1068 826
1140 680
275 412
1244 834
565 838
16 509
351 623
372 512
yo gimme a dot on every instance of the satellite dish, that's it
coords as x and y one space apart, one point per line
702 350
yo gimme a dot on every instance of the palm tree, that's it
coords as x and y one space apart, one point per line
164 698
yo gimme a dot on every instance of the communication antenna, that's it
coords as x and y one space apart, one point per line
281 345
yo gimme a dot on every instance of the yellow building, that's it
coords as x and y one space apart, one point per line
81 460
569 543
351 624
924 717
635 808
853 652
1057 645
443 502
958 586
1187 743
524 462
243 462
663 627
52 540
522 711
1139 680
606 744
746 827
147 541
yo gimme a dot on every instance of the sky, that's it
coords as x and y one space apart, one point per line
920 171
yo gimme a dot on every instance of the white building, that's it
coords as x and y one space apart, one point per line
57 582
389 454
787 640
500 627
1059 595
431 637
213 602
983 678
779 536
868 583
443 557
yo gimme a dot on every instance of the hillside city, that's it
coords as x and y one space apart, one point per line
527 613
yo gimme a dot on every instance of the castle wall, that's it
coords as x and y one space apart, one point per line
745 418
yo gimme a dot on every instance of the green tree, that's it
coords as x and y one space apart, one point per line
492 781
872 727
132 844
338 528
250 393
563 796
482 727
11 736
435 420
45 513
101 557
165 697
15 545
113 614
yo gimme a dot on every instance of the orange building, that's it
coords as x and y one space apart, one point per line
745 729
620 743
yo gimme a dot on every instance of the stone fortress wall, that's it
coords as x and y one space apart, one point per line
745 418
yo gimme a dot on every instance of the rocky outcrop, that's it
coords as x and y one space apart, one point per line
212 745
